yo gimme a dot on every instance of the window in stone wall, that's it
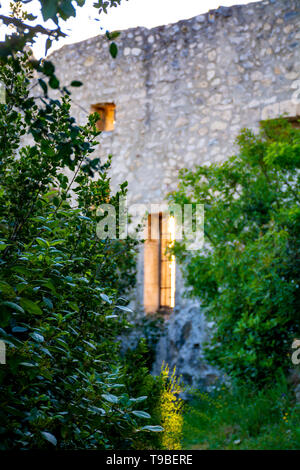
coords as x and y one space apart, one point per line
106 111
159 268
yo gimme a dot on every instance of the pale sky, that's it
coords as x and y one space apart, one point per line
131 13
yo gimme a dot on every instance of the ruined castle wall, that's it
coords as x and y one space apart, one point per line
182 93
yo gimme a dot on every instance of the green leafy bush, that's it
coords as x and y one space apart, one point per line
247 274
61 306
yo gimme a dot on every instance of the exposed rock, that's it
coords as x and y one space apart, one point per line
182 346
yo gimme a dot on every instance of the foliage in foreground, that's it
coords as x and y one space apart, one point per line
24 29
61 304
247 273
242 419
163 403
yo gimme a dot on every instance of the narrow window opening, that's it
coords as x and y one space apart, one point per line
106 111
159 266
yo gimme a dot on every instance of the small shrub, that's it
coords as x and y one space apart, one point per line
171 409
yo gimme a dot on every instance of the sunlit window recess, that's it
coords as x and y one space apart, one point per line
159 265
106 111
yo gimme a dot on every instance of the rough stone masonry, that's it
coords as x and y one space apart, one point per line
182 93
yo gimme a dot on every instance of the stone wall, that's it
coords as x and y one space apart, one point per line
182 93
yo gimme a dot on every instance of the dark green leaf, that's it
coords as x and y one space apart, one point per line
152 428
53 82
30 306
37 337
111 398
141 414
43 86
49 437
14 306
49 9
76 83
113 49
